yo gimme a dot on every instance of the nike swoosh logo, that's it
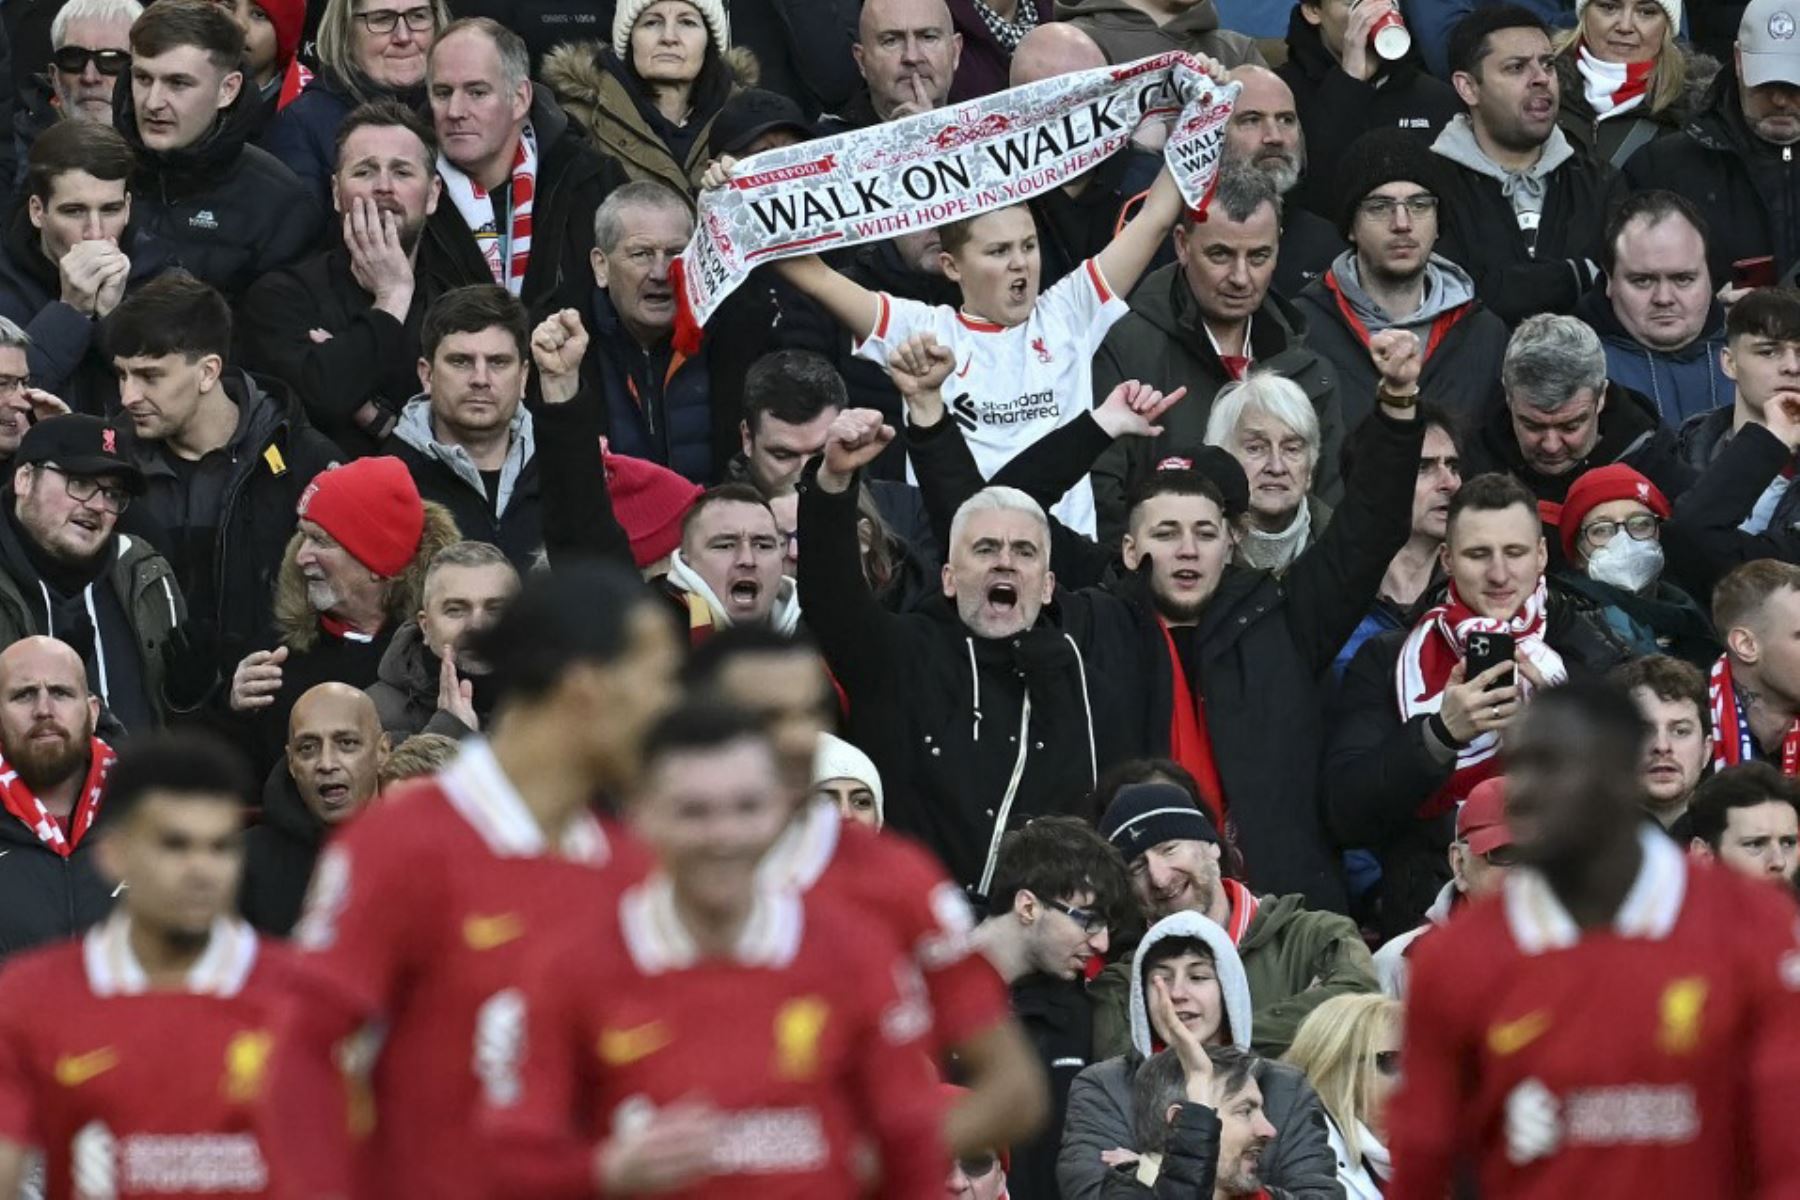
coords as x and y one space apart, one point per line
965 370
73 1070
622 1047
492 932
1510 1037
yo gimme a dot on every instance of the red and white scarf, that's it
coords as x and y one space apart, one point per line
1432 650
1244 904
1733 742
21 803
507 256
1612 88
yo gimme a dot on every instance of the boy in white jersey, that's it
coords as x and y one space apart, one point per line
1023 362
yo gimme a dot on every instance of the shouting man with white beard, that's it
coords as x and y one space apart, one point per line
50 787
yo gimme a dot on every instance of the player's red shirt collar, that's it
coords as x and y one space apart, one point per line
480 791
1539 922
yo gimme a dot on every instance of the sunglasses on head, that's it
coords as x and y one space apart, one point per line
73 60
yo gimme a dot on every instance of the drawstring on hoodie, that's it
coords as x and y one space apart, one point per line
1018 772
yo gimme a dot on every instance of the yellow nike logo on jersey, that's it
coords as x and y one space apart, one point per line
622 1047
492 932
73 1070
1510 1037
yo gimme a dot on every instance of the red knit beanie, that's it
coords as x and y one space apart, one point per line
649 502
1600 486
289 19
371 508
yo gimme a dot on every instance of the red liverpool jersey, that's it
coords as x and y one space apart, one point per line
1658 1057
419 919
808 1040
895 884
139 1093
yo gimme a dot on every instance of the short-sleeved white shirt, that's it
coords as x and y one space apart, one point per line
1011 386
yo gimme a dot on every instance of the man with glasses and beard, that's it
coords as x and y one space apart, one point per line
342 327
50 789
66 571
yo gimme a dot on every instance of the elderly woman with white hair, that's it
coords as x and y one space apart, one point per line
1268 425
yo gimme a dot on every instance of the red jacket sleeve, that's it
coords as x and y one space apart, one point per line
528 1119
1436 1085
895 1083
1772 1056
18 1101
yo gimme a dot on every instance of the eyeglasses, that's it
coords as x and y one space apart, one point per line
73 60
12 385
84 488
1382 208
383 20
1641 527
1092 923
1501 856
1388 1062
979 1166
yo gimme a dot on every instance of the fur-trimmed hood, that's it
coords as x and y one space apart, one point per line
593 86
297 625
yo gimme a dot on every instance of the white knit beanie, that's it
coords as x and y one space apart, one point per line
838 759
626 13
1671 7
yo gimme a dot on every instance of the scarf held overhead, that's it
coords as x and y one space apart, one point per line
24 805
1432 650
507 251
946 165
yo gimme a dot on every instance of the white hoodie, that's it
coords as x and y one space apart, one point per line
784 617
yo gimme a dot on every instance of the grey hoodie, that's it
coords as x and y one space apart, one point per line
414 428
1299 1163
1525 189
1447 287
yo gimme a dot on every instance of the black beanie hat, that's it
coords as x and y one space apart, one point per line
1379 157
1143 815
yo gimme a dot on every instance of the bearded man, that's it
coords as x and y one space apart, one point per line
51 771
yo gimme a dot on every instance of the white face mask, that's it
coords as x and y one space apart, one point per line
1626 562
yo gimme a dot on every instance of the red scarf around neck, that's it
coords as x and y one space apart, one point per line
1189 743
1244 904
21 803
1733 742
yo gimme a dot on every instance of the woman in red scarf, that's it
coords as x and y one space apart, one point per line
1625 80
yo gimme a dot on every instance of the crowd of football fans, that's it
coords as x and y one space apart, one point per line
1295 698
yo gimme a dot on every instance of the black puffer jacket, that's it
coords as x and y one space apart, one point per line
1335 109
279 853
1630 432
43 896
229 211
1747 189
247 492
1256 656
573 178
1378 771
1162 341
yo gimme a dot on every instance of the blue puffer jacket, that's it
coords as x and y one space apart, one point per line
1680 383
658 403
304 134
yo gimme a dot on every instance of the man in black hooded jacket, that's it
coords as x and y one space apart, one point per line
228 210
1343 89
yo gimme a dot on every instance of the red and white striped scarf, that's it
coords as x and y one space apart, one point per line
1244 904
1432 650
507 257
23 804
1612 88
1733 743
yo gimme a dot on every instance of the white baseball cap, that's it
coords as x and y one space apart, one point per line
1768 42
